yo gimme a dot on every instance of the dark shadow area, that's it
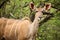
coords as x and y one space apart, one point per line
2 38
49 15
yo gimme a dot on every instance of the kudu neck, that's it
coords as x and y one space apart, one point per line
38 17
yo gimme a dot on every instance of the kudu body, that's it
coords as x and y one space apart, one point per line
23 29
2 26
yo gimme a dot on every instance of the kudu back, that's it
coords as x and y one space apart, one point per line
23 29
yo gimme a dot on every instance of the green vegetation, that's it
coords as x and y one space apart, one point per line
17 9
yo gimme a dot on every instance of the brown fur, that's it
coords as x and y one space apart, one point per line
11 28
2 26
16 29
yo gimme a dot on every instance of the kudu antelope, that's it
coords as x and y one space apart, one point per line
24 29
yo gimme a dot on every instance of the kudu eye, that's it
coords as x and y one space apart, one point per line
36 11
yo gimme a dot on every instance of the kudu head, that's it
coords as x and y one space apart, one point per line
39 11
46 7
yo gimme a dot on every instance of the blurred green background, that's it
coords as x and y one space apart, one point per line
17 9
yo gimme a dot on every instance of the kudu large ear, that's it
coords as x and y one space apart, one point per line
47 6
32 6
